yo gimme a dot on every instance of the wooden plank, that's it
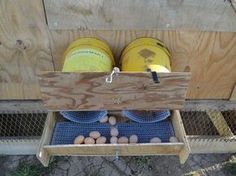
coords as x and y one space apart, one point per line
211 144
115 149
219 122
233 94
89 91
19 147
42 154
206 15
209 56
22 106
24 48
181 135
204 105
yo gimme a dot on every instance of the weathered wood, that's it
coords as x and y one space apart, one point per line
212 144
204 105
19 146
220 123
209 56
24 48
42 154
115 149
181 135
89 91
233 94
206 15
22 106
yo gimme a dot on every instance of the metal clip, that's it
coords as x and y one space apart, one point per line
115 71
117 155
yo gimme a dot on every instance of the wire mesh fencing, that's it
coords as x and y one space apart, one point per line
213 123
21 125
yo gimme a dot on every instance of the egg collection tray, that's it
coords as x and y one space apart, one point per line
65 132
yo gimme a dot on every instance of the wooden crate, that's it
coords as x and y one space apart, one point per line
180 148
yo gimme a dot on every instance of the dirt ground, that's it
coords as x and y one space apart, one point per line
207 165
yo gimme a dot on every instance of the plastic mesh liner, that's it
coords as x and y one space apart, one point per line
83 116
65 132
146 116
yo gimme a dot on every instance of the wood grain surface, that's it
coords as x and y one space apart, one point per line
209 56
24 48
89 91
205 15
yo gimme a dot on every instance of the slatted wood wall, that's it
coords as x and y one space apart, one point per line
28 46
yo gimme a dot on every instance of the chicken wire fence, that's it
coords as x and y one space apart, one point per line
209 123
21 125
29 125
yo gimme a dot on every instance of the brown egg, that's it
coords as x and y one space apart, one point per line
155 140
123 140
79 139
89 140
104 119
173 139
113 140
114 131
94 134
112 120
133 139
101 140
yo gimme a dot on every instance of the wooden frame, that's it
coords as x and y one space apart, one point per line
46 150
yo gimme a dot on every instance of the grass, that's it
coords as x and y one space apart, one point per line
230 167
28 169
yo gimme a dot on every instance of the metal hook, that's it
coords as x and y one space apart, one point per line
115 71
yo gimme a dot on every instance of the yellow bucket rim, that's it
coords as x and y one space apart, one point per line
96 43
147 41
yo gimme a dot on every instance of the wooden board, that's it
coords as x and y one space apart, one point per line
233 94
24 48
220 123
206 15
209 56
89 91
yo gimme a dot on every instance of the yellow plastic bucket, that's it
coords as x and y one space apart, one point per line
146 53
88 55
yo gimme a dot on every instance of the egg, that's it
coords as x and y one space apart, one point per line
104 119
89 140
123 140
79 139
173 139
113 140
112 120
114 131
94 134
155 140
101 140
133 139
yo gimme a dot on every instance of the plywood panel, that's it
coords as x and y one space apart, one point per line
90 91
209 56
210 15
24 48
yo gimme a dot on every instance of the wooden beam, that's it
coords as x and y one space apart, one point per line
21 106
19 146
89 91
203 105
212 15
233 94
42 154
219 122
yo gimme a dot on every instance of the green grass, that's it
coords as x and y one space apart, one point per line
25 169
230 167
